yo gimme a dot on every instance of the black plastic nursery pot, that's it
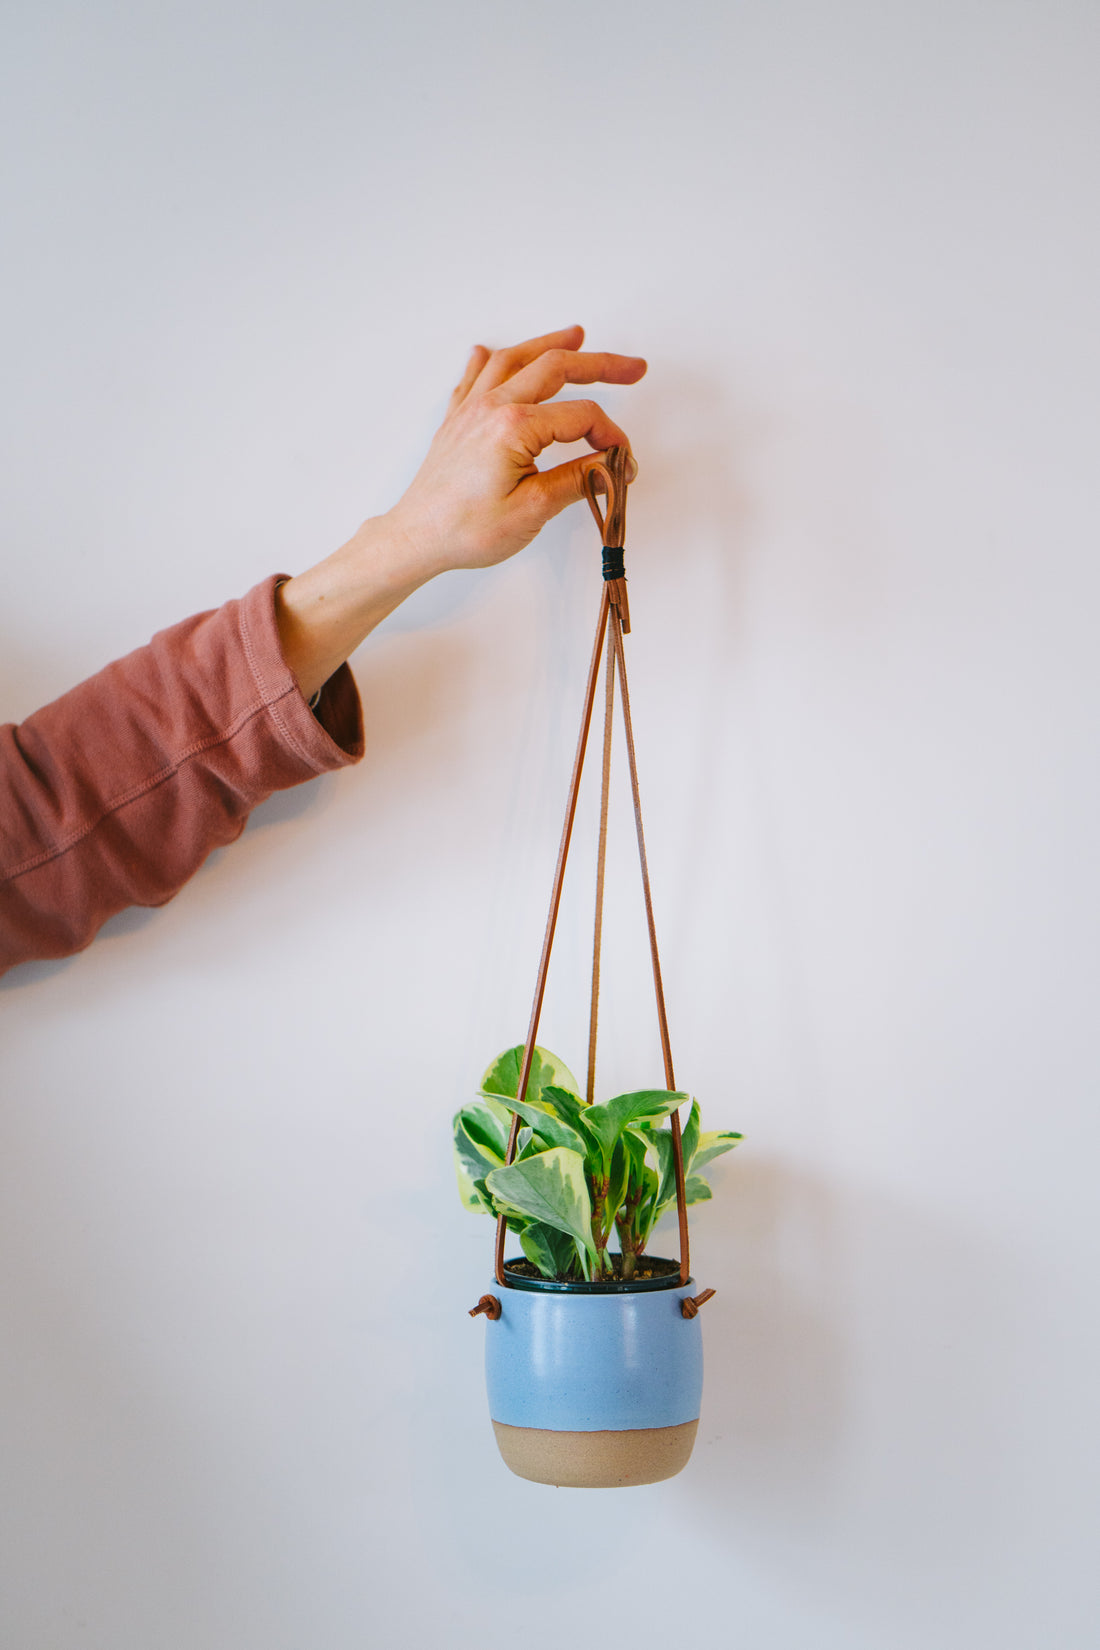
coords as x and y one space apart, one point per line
657 1273
594 1386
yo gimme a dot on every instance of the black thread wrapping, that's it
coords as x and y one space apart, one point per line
614 567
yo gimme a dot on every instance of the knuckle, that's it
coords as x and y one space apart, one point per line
585 415
510 418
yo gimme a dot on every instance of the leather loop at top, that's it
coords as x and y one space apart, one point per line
610 468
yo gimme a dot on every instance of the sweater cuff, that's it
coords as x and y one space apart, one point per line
327 737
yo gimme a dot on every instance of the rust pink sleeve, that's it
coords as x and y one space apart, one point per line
114 794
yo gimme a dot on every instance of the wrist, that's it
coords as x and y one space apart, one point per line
412 545
324 613
380 565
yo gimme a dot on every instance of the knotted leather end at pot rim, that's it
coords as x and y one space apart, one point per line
489 1305
690 1305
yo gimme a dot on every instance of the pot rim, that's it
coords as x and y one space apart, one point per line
617 1286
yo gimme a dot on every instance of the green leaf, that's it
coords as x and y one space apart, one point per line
661 1140
644 1183
563 1102
552 1188
642 1105
534 1245
636 1146
476 1150
696 1190
515 1219
689 1139
485 1201
608 1120
485 1130
620 1174
713 1145
497 1109
547 1125
574 1111
503 1075
551 1251
467 1190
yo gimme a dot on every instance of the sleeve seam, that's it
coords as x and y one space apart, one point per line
150 783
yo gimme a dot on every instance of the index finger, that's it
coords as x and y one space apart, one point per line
555 368
502 363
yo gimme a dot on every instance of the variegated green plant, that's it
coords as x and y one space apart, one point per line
580 1171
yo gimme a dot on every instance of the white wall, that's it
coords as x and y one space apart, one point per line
246 250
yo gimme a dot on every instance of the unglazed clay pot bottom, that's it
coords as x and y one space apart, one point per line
596 1460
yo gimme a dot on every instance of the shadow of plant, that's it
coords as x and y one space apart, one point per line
775 1401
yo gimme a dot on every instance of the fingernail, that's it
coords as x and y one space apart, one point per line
631 467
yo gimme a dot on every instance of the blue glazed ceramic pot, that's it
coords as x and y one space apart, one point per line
595 1387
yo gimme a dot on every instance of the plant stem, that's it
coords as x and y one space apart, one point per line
600 1189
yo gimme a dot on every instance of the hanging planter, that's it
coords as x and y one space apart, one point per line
594 1385
594 1358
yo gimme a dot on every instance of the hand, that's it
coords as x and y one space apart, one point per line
479 496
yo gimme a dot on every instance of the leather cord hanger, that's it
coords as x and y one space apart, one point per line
613 623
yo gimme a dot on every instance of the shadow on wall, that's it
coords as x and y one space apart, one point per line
775 1402
415 688
696 532
862 1359
31 973
283 807
693 494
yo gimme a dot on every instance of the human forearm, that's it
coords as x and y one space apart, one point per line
115 793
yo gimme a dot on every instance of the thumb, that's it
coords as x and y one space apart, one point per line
552 490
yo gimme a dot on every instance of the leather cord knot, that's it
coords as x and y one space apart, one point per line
690 1305
489 1305
614 572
